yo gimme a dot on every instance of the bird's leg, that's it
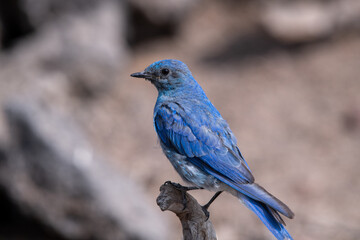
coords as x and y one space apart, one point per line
206 206
183 190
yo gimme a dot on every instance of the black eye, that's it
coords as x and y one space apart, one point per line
165 71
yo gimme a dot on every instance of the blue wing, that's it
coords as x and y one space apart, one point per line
205 139
208 143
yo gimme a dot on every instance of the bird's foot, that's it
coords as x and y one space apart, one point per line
206 206
206 212
183 190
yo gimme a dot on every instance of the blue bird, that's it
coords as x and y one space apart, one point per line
202 148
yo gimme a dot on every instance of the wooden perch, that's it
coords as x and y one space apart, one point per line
194 222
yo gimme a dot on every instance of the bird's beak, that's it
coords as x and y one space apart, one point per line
141 75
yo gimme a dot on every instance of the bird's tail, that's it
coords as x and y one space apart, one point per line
267 215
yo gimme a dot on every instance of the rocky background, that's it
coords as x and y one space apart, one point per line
79 158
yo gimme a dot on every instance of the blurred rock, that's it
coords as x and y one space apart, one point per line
89 48
14 22
351 120
51 174
346 14
153 19
14 225
159 11
41 12
244 47
86 49
297 21
307 21
22 17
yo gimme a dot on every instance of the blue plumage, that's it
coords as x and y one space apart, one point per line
200 145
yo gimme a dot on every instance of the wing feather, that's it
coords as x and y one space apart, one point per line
210 147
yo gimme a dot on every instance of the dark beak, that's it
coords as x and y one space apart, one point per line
141 75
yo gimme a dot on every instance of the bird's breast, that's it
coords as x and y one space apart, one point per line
190 173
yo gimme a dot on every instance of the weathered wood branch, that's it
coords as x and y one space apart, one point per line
195 224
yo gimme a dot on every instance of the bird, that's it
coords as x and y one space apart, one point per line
201 146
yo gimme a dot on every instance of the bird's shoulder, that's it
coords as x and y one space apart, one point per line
197 121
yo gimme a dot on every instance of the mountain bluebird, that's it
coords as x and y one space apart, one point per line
200 145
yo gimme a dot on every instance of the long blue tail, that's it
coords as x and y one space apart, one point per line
268 216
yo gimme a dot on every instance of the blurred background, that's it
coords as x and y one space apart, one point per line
79 158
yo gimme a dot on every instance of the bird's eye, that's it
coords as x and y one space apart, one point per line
165 71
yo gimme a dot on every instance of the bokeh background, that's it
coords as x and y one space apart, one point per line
79 158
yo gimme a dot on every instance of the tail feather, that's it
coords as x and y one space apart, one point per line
268 216
276 215
257 192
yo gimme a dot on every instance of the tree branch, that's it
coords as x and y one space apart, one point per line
193 220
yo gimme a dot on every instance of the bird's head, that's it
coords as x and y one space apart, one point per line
167 75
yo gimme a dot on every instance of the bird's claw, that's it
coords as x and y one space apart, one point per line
177 186
182 189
